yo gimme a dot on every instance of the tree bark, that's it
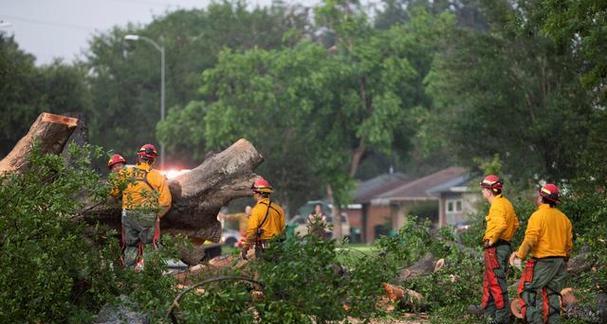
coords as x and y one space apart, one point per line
197 195
423 266
49 131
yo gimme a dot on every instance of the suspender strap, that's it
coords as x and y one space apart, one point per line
258 232
145 180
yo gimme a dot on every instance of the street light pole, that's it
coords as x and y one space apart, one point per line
132 37
161 103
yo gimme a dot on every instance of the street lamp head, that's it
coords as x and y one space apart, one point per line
131 37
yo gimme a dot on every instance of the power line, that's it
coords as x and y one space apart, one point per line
85 27
146 2
50 23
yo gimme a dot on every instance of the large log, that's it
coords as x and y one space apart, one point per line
421 267
199 194
49 131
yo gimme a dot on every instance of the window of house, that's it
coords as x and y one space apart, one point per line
454 205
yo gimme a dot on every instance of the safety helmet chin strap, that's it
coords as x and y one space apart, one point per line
146 159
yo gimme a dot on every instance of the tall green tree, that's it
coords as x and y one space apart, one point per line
27 90
267 97
579 27
17 74
125 80
316 112
380 86
510 92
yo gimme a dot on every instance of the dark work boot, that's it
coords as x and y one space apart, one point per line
475 310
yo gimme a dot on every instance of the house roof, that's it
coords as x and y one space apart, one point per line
369 189
459 184
421 189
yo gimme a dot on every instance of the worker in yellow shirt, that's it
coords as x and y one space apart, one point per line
267 219
502 224
116 163
241 218
146 198
549 238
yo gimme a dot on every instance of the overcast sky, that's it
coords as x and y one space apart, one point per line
61 28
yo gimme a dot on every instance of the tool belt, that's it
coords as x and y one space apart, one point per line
499 242
262 244
549 258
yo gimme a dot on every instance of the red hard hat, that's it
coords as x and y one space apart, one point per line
261 185
492 182
550 192
148 151
115 159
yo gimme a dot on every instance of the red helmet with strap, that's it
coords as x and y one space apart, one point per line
115 159
550 192
148 151
492 182
261 185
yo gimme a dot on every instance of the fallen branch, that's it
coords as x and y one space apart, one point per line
175 304
50 132
464 249
421 267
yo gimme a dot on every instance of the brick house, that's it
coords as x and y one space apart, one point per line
387 199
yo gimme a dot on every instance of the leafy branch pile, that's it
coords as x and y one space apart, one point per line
310 280
53 269
62 271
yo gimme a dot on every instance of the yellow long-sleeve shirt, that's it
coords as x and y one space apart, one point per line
502 222
242 220
146 188
274 224
549 233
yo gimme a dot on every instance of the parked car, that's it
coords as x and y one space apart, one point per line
230 237
298 225
299 222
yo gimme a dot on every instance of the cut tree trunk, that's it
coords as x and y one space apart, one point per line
423 266
580 263
50 131
197 195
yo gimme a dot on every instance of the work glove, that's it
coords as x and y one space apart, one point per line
515 261
243 253
488 243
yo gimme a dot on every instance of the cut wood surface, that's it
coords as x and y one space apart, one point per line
50 131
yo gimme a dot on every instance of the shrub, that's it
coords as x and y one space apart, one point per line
52 268
43 256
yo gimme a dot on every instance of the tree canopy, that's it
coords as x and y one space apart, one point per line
414 85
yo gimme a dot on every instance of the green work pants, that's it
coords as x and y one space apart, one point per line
495 288
540 287
138 230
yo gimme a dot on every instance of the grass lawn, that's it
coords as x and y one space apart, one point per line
355 251
228 250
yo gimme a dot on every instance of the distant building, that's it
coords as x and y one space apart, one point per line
456 200
386 200
372 216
